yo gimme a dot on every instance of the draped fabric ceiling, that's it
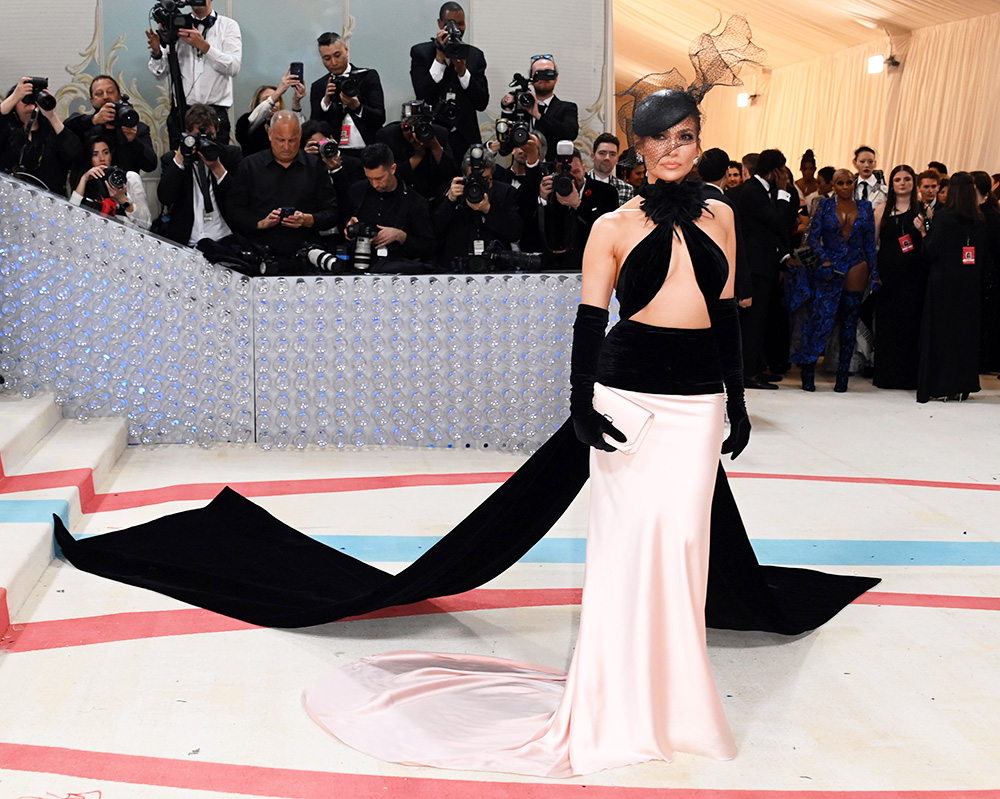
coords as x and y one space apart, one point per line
941 102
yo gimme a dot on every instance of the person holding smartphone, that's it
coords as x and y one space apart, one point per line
251 128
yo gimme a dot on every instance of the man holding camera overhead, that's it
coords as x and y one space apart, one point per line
478 217
33 140
209 54
557 119
193 185
349 99
450 75
115 119
421 150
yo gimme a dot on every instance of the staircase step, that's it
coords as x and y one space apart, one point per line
23 423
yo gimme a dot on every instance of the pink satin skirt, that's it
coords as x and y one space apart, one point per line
639 686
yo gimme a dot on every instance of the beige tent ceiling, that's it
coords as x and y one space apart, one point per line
653 35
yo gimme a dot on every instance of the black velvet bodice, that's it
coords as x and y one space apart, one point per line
646 266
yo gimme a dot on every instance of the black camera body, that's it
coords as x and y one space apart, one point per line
562 167
167 14
40 94
362 233
476 184
125 114
328 148
361 230
416 119
523 98
454 47
346 85
446 110
514 125
201 142
116 178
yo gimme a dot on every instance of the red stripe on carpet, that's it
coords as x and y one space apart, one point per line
885 481
4 615
62 633
247 780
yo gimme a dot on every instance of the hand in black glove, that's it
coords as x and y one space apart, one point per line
591 427
739 429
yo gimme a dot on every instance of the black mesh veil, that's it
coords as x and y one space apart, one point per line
662 99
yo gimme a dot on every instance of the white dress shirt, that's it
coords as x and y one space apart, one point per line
207 78
437 73
876 191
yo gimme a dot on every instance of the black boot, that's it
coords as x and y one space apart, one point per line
850 302
808 376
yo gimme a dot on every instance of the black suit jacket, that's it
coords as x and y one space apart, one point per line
527 202
470 100
175 191
744 285
132 156
560 121
766 228
458 226
369 118
565 228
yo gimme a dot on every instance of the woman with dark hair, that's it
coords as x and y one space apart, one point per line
111 192
842 235
956 251
870 184
899 302
251 128
807 183
989 355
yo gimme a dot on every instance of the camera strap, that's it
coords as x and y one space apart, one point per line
205 184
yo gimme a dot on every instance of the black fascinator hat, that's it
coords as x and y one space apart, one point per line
660 100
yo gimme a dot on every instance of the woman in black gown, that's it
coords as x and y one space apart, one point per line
989 354
956 251
899 303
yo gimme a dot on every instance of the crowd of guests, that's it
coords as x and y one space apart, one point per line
910 262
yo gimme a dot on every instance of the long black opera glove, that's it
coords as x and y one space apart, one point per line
588 336
726 326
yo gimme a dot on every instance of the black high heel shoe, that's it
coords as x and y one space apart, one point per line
808 376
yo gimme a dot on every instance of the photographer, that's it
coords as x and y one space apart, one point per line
350 100
251 128
421 150
525 175
194 187
209 55
478 214
35 142
116 120
555 118
451 76
317 139
281 198
396 217
570 203
111 190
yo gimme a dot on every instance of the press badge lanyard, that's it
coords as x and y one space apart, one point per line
906 240
205 184
968 251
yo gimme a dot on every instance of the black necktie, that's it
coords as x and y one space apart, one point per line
864 191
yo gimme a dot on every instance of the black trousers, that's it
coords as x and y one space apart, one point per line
753 325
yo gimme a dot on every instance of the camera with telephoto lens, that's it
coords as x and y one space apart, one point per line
345 85
167 14
562 168
40 94
476 184
454 47
201 142
362 233
514 125
125 114
115 176
328 148
500 260
416 119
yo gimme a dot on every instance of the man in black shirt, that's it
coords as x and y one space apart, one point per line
133 146
426 166
466 229
354 115
282 197
48 151
455 87
404 240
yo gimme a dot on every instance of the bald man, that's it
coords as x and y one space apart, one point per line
283 197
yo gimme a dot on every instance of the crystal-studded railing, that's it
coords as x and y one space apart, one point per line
113 321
